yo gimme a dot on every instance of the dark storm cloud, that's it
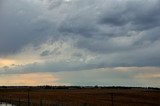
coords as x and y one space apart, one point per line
18 26
135 15
120 21
120 33
140 14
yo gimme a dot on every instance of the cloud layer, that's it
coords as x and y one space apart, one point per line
74 35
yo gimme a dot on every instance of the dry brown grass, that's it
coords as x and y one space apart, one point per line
83 97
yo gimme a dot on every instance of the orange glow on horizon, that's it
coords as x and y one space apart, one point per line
32 79
7 62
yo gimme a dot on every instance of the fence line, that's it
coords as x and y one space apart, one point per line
44 102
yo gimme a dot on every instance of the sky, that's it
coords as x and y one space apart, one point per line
80 42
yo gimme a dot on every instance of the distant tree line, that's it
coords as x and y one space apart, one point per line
75 87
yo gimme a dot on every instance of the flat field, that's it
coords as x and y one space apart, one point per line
81 97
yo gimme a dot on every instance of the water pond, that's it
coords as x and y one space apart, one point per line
5 104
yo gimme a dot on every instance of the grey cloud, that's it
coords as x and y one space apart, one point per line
79 24
145 58
140 14
77 54
126 28
53 3
130 15
19 29
55 51
48 67
45 53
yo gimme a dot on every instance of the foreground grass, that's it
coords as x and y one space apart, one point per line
81 97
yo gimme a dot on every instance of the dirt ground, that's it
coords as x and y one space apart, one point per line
82 97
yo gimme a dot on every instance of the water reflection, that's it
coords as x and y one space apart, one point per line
5 104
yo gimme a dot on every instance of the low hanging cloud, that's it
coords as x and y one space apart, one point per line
70 35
